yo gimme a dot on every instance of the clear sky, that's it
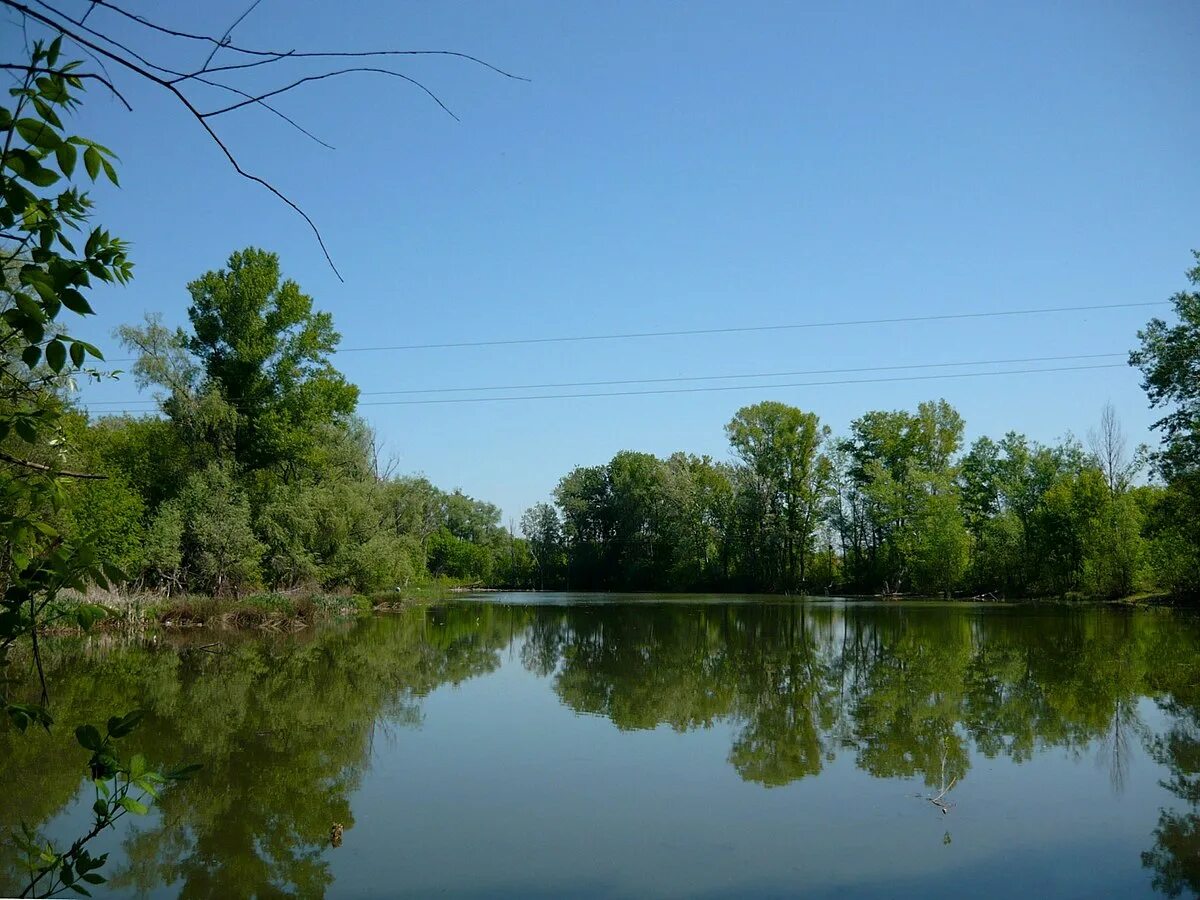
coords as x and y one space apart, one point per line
685 166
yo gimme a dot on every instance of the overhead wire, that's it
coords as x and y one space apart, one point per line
713 388
741 329
682 378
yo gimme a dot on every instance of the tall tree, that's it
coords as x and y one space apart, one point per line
542 529
780 448
262 357
1169 358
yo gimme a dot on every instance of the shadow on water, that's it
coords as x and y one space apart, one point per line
286 726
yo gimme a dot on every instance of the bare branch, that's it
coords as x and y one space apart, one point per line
228 32
97 34
101 46
157 79
299 55
322 77
269 108
271 56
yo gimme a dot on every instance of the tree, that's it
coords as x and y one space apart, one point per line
898 462
1108 444
543 531
1169 359
780 448
262 365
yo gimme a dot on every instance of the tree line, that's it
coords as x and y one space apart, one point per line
898 504
258 474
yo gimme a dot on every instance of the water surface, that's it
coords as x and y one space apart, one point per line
549 745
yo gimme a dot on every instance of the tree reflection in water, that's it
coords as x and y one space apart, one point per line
285 725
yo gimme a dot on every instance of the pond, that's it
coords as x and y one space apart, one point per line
557 745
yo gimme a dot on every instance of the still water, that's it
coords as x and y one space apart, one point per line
581 745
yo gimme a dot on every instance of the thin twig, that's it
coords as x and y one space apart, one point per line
322 77
305 54
269 108
228 32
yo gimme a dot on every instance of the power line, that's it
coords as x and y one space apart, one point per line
570 384
737 387
710 389
679 378
848 323
942 317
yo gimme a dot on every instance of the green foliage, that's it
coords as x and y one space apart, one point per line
893 507
59 531
260 349
1169 358
219 548
785 481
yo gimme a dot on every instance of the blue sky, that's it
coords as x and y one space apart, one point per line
674 166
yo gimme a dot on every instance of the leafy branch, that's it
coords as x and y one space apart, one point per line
122 787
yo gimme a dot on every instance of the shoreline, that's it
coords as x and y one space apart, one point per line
280 612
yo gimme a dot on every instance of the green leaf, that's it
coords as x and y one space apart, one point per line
100 808
93 878
53 51
28 305
77 355
110 172
31 355
33 330
120 727
134 806
137 766
184 772
56 355
44 110
74 301
21 716
26 431
89 737
91 162
66 156
91 349
38 133
88 614
42 177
